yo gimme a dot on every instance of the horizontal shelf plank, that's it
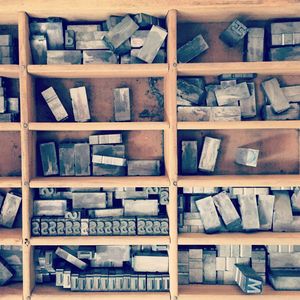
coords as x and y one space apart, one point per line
94 181
10 126
41 126
265 68
295 124
99 240
10 71
12 291
10 182
11 236
48 292
255 238
99 71
230 292
239 180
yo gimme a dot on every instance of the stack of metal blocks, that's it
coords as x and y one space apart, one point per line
132 39
7 49
9 106
239 209
104 268
100 211
104 155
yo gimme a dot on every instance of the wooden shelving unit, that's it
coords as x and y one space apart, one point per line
30 130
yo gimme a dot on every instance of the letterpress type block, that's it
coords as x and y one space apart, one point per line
49 159
38 44
143 167
255 44
234 33
209 154
191 49
189 157
246 157
99 57
122 104
9 209
249 212
66 160
82 159
80 104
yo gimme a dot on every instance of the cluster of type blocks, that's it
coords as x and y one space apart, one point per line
134 39
104 155
100 211
238 209
234 98
104 268
7 49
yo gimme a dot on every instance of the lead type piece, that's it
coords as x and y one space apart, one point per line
49 159
209 154
189 157
82 159
191 49
246 157
9 209
234 33
66 160
255 44
80 104
143 167
122 104
54 104
99 57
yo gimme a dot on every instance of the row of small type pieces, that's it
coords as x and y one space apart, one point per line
208 158
283 37
8 49
113 211
138 38
80 105
104 268
9 106
11 264
108 159
234 98
245 265
9 208
240 209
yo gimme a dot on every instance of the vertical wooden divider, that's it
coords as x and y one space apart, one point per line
25 88
171 147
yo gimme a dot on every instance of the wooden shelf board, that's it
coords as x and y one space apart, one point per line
47 292
11 236
12 291
295 124
230 292
266 67
10 71
99 240
255 238
39 126
94 181
239 180
99 71
10 182
10 126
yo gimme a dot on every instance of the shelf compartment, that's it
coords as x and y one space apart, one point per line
43 126
48 292
232 292
99 71
94 181
239 180
12 291
10 237
279 150
257 238
99 240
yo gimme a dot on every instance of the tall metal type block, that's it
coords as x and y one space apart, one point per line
189 157
122 103
255 44
209 154
234 33
49 159
80 104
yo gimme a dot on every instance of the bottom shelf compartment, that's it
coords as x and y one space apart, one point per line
232 292
13 291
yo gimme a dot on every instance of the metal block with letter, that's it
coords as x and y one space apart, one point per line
99 57
66 160
248 105
275 95
5 272
249 212
265 211
285 53
49 159
55 208
209 154
293 113
88 200
192 49
255 44
55 104
246 157
189 157
82 159
9 209
285 33
292 93
225 113
64 57
234 33
69 39
140 207
69 255
152 44
144 167
104 139
122 104
194 113
80 104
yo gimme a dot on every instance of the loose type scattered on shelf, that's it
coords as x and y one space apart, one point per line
249 267
104 268
96 212
234 98
237 209
132 39
9 106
